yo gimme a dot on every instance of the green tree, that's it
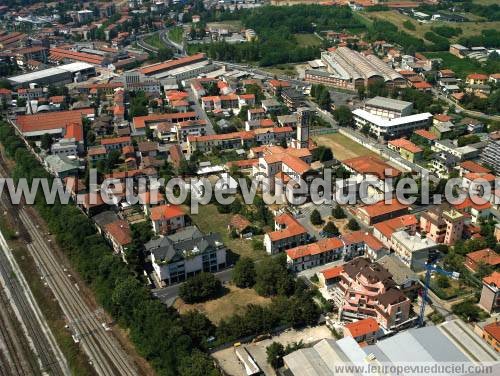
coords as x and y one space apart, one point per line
201 287
316 218
197 326
275 352
343 116
274 278
443 282
197 364
338 212
331 229
244 273
353 225
46 141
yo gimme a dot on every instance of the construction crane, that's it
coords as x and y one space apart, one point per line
429 269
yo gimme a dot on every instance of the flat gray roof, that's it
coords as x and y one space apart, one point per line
393 104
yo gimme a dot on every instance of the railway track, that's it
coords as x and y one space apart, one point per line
48 362
105 353
17 360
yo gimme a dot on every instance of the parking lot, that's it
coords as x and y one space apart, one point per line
230 364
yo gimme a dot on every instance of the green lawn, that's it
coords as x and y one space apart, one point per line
210 220
176 34
154 41
307 40
462 67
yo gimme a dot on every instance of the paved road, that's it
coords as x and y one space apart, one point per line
199 111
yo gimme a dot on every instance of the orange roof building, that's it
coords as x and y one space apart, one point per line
364 330
289 233
486 256
172 64
381 211
309 255
50 122
365 165
167 218
490 294
119 234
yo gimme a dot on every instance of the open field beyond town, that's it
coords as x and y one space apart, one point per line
462 67
233 302
468 28
307 40
343 147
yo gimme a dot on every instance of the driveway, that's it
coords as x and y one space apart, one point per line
199 111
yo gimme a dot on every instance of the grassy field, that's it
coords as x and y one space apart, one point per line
343 147
230 25
468 28
233 302
154 41
209 219
176 34
307 40
462 67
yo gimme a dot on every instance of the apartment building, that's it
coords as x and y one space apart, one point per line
310 255
442 225
363 331
367 290
116 143
383 230
184 254
491 153
490 294
288 233
413 250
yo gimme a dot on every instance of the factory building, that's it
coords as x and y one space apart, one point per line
60 75
348 69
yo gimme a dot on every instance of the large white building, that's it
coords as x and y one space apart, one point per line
60 75
388 129
388 108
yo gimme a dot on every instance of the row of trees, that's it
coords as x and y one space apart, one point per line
321 94
158 333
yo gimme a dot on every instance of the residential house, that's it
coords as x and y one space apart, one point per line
487 257
288 233
310 255
383 230
240 225
490 294
381 211
167 218
474 207
119 235
363 331
407 149
491 334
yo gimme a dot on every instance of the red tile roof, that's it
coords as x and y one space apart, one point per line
292 228
60 54
381 208
371 166
172 64
442 118
474 167
74 130
239 222
475 176
480 204
362 327
116 140
333 272
493 279
493 330
403 143
477 76
486 256
163 212
395 224
321 246
119 231
426 134
140 121
51 120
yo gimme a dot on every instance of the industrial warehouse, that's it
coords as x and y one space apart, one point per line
348 69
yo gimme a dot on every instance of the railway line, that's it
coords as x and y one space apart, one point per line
49 362
14 357
104 351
